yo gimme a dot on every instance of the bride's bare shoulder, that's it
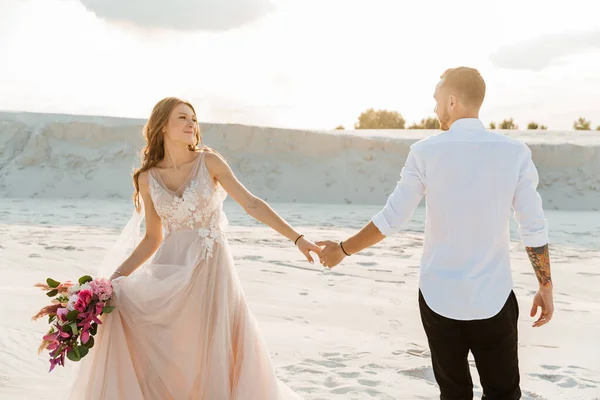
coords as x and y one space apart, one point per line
214 159
144 178
216 164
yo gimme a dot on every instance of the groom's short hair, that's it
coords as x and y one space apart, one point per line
467 83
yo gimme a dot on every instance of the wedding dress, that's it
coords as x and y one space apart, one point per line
182 329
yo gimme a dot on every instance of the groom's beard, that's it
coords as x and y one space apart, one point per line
444 122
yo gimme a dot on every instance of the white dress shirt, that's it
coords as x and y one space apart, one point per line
473 180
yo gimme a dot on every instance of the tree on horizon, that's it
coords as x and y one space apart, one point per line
492 125
426 123
534 125
339 128
380 119
508 124
582 124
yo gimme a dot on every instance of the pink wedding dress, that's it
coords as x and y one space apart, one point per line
182 329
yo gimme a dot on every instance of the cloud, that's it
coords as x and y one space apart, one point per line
181 15
544 51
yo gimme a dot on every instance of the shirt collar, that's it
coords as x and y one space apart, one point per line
467 124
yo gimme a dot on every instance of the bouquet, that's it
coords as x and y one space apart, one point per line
73 316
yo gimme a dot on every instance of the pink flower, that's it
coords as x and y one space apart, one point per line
61 313
83 300
102 288
85 336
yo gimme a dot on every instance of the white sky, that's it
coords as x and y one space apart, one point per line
298 63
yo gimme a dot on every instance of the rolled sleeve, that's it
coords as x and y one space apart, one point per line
405 198
527 206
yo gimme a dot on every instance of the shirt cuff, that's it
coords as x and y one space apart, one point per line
535 239
382 224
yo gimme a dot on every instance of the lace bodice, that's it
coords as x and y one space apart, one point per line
197 206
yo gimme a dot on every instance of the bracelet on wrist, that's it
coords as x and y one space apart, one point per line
342 247
296 241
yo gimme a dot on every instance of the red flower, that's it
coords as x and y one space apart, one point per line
84 298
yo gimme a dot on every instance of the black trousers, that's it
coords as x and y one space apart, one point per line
493 343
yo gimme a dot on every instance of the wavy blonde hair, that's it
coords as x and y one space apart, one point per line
154 150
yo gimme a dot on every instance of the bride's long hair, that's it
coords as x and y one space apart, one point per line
154 151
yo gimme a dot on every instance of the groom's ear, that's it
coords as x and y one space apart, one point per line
452 100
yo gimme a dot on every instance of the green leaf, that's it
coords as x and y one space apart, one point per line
52 293
51 318
73 355
52 283
72 315
73 327
85 279
93 329
83 350
108 309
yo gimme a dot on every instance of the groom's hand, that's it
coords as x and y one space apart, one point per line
543 299
332 254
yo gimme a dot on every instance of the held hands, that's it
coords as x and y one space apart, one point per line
332 254
329 256
306 246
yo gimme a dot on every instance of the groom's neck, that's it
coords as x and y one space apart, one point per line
466 114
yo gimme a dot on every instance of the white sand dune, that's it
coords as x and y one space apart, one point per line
350 333
91 157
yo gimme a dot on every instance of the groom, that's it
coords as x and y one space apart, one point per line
473 180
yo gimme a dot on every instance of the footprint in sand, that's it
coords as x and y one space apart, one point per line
69 248
251 258
366 263
367 382
588 274
272 271
415 351
349 375
394 282
424 373
296 319
303 292
395 324
568 377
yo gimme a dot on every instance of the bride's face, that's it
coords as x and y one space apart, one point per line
182 125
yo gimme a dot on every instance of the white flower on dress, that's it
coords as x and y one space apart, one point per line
203 232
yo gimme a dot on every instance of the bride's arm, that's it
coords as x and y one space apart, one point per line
152 239
255 207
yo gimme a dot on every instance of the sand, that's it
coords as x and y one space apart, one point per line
350 333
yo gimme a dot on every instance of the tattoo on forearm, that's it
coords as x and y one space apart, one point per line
540 260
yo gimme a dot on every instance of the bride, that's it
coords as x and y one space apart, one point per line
182 329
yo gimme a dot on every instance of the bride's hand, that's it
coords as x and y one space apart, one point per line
306 246
114 276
